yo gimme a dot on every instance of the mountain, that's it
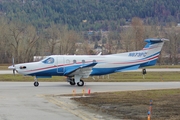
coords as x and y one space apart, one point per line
90 14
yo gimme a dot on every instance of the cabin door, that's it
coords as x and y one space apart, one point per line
60 64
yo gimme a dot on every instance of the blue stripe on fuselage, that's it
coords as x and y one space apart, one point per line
104 71
49 72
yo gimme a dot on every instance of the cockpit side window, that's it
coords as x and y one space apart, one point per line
49 60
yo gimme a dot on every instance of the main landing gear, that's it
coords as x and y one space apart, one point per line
144 71
73 82
36 83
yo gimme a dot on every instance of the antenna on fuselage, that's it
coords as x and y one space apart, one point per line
99 54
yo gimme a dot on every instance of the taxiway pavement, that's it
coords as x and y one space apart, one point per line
23 101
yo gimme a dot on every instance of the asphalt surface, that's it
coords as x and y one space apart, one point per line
6 72
23 101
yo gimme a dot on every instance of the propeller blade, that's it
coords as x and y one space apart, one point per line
14 72
13 62
13 66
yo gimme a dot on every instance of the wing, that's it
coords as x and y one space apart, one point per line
83 69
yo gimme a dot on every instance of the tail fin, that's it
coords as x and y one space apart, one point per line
153 43
153 49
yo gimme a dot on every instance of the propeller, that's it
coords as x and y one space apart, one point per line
12 67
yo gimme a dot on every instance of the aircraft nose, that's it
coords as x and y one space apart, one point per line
11 67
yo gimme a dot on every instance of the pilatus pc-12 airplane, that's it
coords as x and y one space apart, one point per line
76 67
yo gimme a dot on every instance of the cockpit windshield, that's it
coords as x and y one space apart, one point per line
48 60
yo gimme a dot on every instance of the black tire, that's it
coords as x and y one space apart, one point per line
144 71
72 82
36 84
81 83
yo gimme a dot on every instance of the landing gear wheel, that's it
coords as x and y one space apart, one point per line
72 82
144 71
81 83
36 84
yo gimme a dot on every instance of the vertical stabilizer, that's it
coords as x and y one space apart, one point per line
153 49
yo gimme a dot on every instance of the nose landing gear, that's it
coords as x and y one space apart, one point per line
36 83
144 72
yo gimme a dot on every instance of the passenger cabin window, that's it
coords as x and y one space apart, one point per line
67 61
74 61
83 61
49 60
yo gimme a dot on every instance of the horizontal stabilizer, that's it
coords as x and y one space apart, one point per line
151 42
155 40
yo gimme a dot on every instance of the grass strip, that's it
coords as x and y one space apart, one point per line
135 104
116 77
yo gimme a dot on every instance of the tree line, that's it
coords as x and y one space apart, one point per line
23 41
132 39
